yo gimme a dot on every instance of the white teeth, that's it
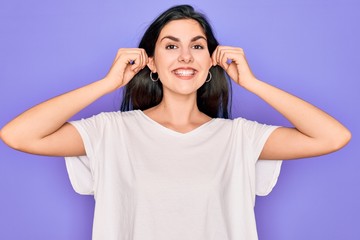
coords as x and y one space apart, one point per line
184 72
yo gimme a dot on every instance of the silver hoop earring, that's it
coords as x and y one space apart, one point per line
208 79
152 78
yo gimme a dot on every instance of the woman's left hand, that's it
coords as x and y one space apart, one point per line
314 135
233 61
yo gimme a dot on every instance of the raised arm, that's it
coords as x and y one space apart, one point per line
315 133
44 130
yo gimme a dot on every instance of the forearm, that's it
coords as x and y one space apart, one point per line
305 117
47 117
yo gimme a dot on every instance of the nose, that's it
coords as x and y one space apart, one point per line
185 56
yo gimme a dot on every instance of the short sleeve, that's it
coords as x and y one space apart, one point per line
82 169
263 173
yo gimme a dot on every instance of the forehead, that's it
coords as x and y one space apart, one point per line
182 28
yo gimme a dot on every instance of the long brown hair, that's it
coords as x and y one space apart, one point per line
212 97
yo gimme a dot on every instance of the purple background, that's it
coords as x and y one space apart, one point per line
309 48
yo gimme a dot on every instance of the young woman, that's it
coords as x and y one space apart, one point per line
170 165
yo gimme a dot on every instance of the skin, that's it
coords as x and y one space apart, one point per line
183 49
43 130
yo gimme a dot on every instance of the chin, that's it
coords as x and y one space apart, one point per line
182 86
185 90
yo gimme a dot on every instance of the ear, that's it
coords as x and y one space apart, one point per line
151 64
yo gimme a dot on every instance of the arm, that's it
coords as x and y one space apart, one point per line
43 129
315 133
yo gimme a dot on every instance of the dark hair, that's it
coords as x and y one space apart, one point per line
142 93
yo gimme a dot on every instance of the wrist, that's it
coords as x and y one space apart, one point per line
108 86
250 84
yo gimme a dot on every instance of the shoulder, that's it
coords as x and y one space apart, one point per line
107 118
238 121
116 115
247 123
249 127
226 122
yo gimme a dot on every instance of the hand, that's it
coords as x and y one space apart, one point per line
233 61
127 63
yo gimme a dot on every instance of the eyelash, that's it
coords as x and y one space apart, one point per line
172 46
198 46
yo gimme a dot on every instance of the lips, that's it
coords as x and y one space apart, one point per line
184 72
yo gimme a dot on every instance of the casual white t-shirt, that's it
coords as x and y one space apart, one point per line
152 183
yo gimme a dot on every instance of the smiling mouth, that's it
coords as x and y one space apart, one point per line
184 72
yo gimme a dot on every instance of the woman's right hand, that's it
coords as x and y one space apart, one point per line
127 63
43 129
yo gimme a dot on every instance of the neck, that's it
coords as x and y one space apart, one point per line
179 109
179 113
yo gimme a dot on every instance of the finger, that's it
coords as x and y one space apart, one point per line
118 54
143 58
219 56
137 61
135 67
213 57
223 59
146 59
233 55
218 53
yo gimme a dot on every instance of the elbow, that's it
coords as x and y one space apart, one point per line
8 137
5 136
347 137
340 140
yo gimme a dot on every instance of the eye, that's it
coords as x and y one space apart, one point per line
171 46
198 46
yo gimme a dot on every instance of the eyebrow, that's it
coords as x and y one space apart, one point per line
175 39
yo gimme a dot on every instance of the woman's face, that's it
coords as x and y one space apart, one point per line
181 57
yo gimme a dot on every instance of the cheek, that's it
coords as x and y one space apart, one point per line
207 61
164 59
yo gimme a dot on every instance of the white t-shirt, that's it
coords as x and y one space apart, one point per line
152 183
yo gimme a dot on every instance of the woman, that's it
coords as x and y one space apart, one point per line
170 165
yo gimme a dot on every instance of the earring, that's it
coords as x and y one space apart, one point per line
152 78
208 79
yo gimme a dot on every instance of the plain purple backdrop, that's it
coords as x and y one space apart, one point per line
309 48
